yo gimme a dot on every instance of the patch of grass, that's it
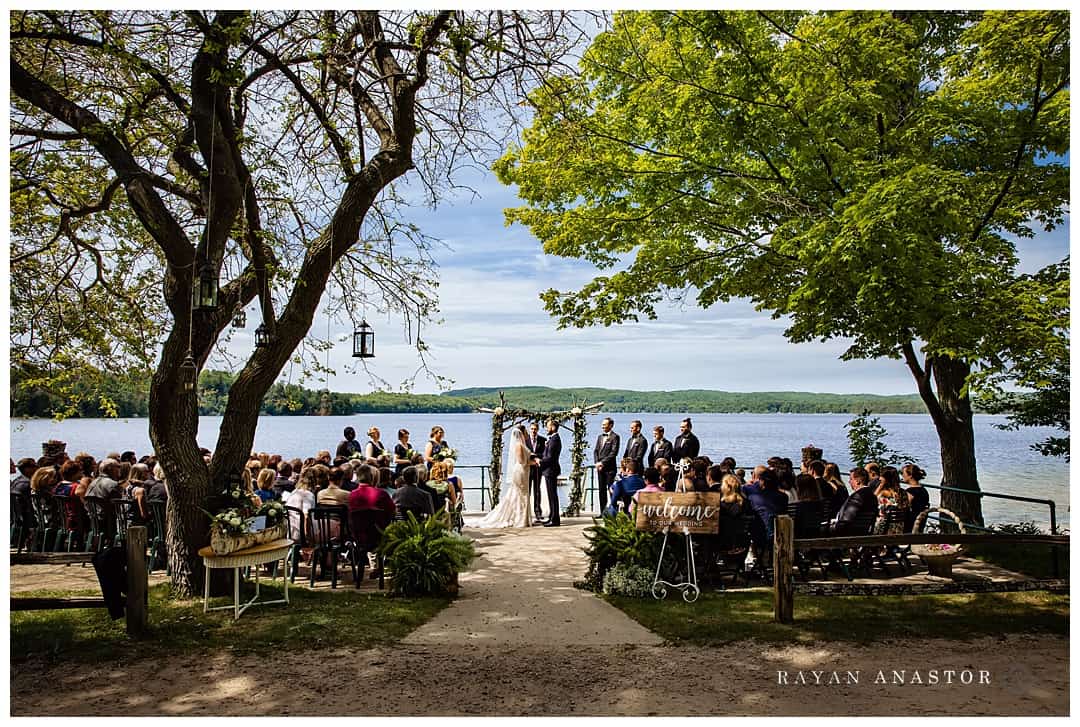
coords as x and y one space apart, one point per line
1032 560
719 618
313 619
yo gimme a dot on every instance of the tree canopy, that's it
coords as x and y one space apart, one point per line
152 148
864 174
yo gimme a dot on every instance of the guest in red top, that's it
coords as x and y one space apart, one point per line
368 497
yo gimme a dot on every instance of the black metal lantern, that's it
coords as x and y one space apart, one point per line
239 319
188 373
363 341
262 336
205 290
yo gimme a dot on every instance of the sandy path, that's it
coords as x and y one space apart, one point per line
522 641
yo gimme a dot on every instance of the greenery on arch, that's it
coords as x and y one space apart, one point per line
505 417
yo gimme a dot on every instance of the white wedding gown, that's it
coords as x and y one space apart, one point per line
513 508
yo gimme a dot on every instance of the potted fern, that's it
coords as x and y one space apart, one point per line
424 557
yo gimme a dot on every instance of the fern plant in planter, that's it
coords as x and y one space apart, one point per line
616 540
424 557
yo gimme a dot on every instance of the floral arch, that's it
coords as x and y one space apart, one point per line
504 417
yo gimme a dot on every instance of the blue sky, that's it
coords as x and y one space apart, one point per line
496 333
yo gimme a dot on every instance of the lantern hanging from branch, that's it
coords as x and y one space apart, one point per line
363 341
239 318
189 374
205 289
262 336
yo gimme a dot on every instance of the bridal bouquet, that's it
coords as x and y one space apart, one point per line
444 454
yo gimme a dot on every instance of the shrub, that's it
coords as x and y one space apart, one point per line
614 540
628 579
424 556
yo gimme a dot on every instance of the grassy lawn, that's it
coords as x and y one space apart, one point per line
313 619
718 618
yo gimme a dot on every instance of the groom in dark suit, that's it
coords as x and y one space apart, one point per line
604 455
687 445
550 471
535 444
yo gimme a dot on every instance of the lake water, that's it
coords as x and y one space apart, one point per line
1006 463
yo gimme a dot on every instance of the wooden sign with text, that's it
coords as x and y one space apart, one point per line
695 512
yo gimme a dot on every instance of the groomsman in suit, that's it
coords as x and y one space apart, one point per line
550 470
535 443
636 446
604 455
686 444
660 448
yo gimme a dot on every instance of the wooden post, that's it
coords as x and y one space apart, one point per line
783 566
136 581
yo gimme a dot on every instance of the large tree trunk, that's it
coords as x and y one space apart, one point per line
174 425
957 436
951 413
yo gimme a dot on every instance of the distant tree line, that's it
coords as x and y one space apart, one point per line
126 396
696 400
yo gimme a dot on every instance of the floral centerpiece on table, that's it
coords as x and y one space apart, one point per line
231 526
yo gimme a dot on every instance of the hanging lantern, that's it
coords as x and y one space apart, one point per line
205 290
235 483
262 336
239 318
363 341
189 374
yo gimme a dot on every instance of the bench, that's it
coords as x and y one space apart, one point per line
136 603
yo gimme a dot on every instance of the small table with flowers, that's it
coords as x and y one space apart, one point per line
250 557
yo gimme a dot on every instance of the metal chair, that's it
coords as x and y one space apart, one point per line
99 513
365 529
329 545
46 519
22 521
298 532
157 539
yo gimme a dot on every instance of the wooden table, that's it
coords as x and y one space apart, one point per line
250 557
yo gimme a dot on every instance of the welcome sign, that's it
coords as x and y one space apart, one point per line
694 512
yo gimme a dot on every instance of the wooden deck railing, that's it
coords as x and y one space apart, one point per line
785 546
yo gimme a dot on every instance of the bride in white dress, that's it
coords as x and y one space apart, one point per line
513 509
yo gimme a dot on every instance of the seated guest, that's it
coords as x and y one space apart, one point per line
874 470
806 488
623 489
106 485
766 500
918 497
137 483
453 478
861 501
700 466
839 491
386 480
75 517
727 465
816 469
20 486
301 498
652 482
284 483
741 474
442 492
348 481
264 484
733 506
332 495
890 494
158 491
669 478
297 465
714 477
410 498
367 496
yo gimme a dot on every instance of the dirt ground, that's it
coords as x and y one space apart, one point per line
521 641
